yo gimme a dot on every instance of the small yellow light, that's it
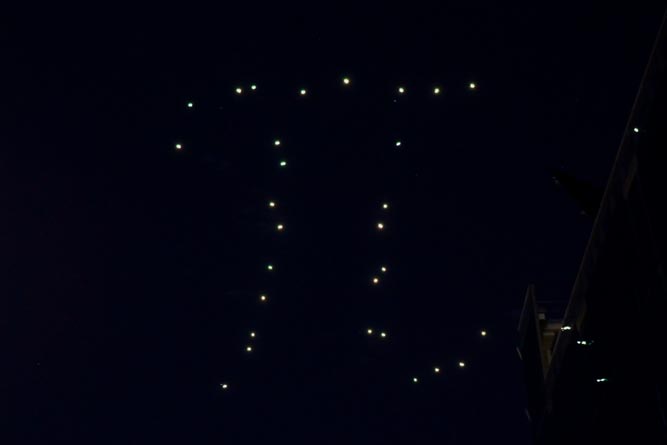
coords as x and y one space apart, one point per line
253 334
263 298
369 331
248 348
401 90
376 280
346 80
462 365
415 380
239 90
436 370
383 269
436 90
280 227
483 333
383 334
472 85
302 92
272 204
276 142
380 226
179 146
385 206
398 143
224 386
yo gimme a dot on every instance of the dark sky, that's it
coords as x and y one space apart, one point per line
135 269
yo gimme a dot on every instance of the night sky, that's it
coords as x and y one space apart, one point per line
135 268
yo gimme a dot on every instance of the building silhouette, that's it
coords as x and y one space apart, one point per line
598 372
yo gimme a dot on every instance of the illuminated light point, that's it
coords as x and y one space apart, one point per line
380 226
280 227
248 348
636 130
385 206
601 380
415 380
369 331
383 334
376 280
483 333
302 92
179 147
436 90
436 370
239 90
283 163
272 204
253 334
398 143
566 328
276 142
346 80
253 87
263 298
462 365
269 267
401 90
190 105
383 269
224 386
472 85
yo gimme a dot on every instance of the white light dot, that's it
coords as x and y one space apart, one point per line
385 206
190 105
566 328
436 90
272 204
346 80
369 331
283 163
401 90
483 333
436 370
280 227
224 386
179 146
269 266
239 90
263 298
415 380
276 142
383 334
462 364
302 92
472 85
398 143
380 226
248 348
636 130
383 269
253 87
376 280
253 334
